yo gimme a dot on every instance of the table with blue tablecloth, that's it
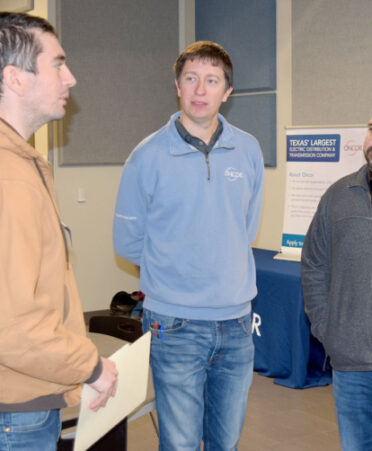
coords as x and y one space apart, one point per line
285 348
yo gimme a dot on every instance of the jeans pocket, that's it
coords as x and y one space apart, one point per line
162 323
246 323
29 421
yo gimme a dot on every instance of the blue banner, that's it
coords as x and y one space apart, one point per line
319 148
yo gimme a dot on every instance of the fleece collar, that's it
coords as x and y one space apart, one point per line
178 146
360 178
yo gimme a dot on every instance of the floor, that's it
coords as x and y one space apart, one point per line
277 419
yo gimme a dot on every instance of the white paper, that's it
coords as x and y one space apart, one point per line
132 362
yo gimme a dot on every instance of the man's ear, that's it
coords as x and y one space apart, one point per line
177 87
13 78
227 93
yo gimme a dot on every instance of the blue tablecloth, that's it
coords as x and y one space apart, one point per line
285 348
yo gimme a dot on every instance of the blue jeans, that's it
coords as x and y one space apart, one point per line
30 431
353 398
202 372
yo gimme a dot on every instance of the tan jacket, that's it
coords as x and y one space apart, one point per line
43 348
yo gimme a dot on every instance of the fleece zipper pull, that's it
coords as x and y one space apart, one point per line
208 165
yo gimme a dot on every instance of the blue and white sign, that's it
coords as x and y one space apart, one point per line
318 148
316 158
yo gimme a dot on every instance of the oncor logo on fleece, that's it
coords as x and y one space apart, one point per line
233 174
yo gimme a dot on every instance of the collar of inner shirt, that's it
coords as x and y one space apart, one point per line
197 142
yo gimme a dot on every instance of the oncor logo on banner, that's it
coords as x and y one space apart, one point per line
352 147
316 158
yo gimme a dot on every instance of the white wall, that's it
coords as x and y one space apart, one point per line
99 272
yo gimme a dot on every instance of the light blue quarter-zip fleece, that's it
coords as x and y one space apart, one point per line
190 235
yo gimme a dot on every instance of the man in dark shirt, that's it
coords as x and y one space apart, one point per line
337 286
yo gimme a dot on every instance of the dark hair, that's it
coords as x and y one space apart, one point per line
206 50
19 46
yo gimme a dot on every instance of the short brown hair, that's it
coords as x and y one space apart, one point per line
206 50
19 45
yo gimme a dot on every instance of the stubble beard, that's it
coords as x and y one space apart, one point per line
368 155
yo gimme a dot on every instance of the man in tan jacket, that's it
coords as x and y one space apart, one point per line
44 353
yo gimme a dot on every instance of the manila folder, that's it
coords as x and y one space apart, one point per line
132 362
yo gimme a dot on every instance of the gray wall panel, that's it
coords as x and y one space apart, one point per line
121 52
247 30
248 112
331 62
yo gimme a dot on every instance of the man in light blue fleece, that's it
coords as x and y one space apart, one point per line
187 212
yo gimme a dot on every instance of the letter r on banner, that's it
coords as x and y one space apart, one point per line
256 323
